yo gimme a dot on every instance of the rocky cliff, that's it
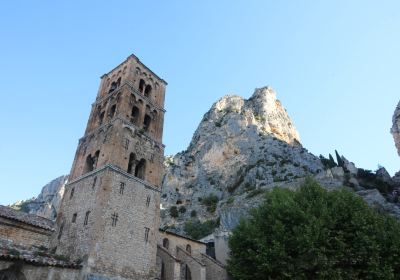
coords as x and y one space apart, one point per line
396 128
48 202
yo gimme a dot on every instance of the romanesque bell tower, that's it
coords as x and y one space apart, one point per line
109 217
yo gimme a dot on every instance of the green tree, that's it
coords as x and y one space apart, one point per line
312 233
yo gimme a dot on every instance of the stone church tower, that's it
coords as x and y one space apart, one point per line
110 216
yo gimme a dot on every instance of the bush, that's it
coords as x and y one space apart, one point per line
196 229
173 212
193 213
211 202
182 209
315 234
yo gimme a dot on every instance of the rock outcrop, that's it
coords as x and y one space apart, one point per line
241 149
396 128
48 202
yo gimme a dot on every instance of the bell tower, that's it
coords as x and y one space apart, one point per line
109 216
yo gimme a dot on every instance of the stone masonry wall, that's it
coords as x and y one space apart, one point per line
32 272
175 241
123 249
107 247
214 270
197 269
172 266
24 234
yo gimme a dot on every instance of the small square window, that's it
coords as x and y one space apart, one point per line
74 217
121 187
146 234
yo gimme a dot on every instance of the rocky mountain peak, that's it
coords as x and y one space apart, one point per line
234 116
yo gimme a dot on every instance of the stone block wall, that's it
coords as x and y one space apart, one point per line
24 234
191 265
120 237
23 271
214 270
175 241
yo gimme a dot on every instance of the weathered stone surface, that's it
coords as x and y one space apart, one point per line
240 149
396 128
374 198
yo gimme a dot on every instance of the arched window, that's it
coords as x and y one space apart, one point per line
135 115
140 169
131 163
147 91
112 87
118 82
188 274
112 111
141 85
146 122
189 249
165 243
163 275
89 166
101 118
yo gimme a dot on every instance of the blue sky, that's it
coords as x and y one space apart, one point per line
334 64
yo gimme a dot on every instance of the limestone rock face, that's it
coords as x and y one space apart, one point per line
240 149
396 128
48 202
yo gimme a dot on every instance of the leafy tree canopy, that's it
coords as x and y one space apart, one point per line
312 233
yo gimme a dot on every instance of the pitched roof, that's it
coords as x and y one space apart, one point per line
26 218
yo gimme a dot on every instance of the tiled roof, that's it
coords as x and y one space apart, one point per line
23 217
34 256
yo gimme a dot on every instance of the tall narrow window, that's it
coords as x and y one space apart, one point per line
146 234
60 232
188 248
148 201
96 159
140 169
112 87
89 164
72 193
74 217
146 122
147 91
114 219
141 85
135 115
126 144
94 182
166 243
112 111
101 118
188 273
131 163
86 218
121 187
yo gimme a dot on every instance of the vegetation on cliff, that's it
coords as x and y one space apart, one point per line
312 233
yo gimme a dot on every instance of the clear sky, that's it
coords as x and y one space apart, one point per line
334 64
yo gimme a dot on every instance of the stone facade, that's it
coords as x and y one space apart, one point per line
23 233
182 258
19 271
109 215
